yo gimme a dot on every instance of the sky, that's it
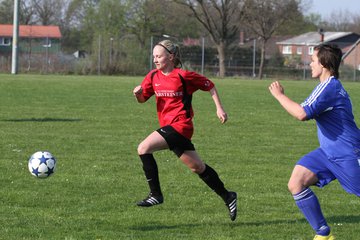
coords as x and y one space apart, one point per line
326 7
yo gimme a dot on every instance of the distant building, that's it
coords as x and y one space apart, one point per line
33 39
191 42
80 54
352 56
298 50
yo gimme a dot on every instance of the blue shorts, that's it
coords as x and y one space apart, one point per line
346 171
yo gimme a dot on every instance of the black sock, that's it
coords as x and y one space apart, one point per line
151 173
211 178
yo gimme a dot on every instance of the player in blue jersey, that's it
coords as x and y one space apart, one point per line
338 156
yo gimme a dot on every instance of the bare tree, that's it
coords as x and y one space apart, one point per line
145 18
355 23
6 11
221 21
264 17
339 21
27 12
49 12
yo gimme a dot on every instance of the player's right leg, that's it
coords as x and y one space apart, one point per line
304 175
152 143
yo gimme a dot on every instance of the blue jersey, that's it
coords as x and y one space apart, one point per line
330 105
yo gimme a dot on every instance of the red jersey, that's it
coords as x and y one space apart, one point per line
173 97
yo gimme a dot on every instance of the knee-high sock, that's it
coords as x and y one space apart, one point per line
308 203
151 173
211 178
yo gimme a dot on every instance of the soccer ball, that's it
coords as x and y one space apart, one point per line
42 164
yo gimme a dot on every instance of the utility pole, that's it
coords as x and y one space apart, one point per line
15 41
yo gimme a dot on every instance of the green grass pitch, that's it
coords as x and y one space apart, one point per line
92 125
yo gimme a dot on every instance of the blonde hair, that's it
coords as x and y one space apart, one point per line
174 49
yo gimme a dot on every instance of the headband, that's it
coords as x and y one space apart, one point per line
165 48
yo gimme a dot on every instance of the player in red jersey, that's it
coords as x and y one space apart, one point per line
173 89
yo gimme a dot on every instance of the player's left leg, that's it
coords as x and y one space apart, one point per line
347 173
328 237
211 178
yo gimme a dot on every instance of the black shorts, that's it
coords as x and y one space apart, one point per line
177 142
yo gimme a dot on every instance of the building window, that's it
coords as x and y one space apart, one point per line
5 41
47 43
310 50
299 50
286 50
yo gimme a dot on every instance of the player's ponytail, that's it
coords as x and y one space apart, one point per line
174 49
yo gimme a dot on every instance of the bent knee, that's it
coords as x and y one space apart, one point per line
143 148
297 185
300 179
197 168
294 187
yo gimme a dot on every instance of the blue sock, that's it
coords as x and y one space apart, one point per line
309 205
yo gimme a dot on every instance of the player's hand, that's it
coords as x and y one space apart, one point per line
276 89
137 90
222 115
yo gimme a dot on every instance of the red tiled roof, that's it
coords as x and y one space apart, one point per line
33 31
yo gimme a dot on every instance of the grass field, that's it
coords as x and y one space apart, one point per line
93 126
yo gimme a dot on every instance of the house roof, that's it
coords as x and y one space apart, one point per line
33 31
351 49
314 38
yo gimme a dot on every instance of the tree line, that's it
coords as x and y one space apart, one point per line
131 23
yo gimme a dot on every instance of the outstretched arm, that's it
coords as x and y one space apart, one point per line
293 108
219 108
138 94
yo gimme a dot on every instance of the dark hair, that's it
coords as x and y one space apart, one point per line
329 56
172 48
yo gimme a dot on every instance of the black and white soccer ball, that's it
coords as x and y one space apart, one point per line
42 164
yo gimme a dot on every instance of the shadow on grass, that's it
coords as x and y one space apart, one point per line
331 220
343 219
154 227
338 219
42 120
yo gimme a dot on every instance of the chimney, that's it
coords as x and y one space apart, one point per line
242 39
321 32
